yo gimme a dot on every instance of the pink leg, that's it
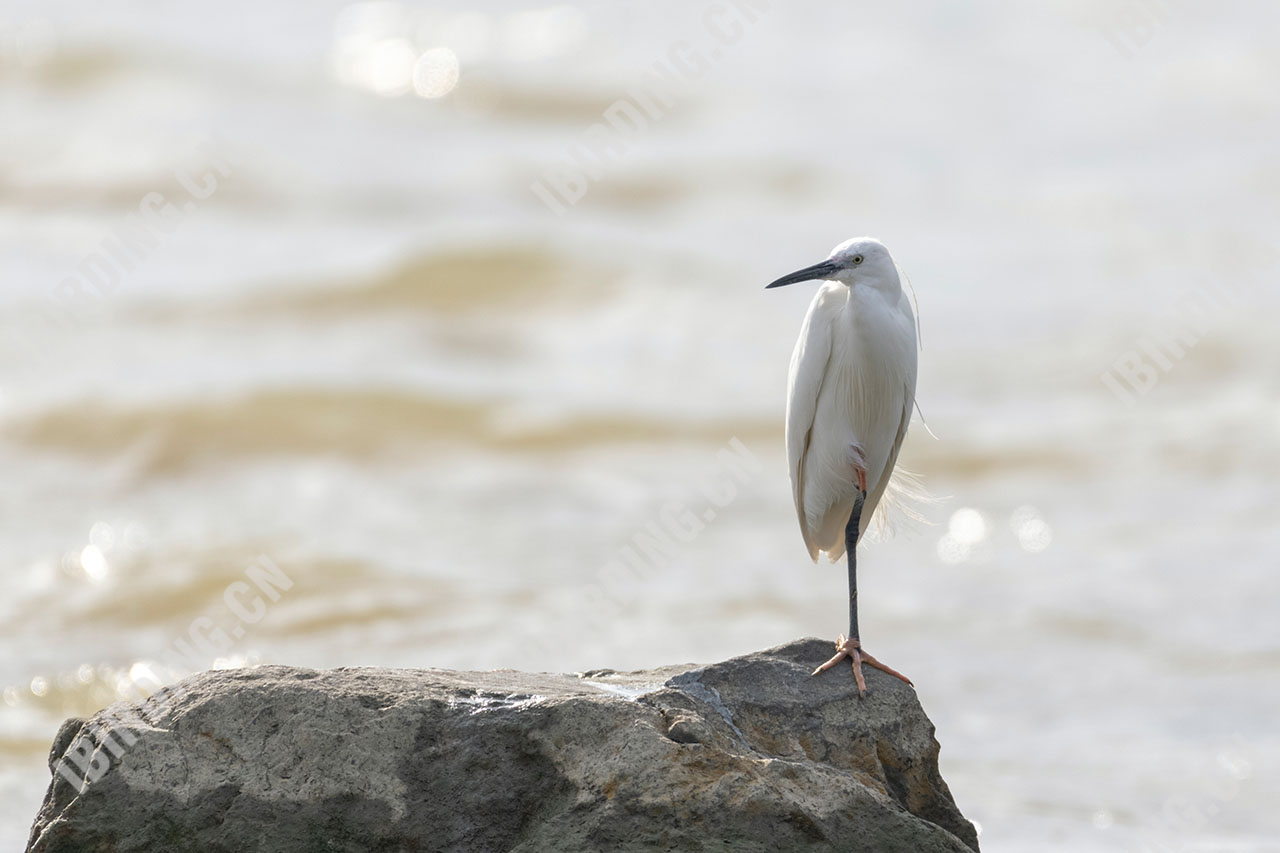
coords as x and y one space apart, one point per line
859 466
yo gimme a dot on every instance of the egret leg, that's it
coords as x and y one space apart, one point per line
851 551
851 646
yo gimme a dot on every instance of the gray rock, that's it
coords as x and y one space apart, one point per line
751 754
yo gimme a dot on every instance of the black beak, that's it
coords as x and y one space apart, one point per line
822 270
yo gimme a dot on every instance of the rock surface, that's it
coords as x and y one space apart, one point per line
751 754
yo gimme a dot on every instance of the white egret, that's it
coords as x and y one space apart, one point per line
849 400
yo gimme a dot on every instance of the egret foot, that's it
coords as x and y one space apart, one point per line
849 647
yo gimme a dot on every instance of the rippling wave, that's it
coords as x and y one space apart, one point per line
174 436
484 278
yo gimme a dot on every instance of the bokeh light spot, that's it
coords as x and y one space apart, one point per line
386 67
102 535
435 73
967 526
1032 531
94 563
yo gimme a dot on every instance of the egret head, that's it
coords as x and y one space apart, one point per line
860 261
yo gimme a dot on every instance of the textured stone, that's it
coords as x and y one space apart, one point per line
751 754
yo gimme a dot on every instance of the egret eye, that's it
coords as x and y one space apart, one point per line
857 259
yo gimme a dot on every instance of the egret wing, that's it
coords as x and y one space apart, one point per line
808 371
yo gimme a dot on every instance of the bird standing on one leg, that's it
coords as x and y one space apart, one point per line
849 399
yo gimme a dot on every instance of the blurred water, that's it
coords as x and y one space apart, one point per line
373 355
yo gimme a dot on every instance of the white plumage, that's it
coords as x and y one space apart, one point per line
851 390
849 402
